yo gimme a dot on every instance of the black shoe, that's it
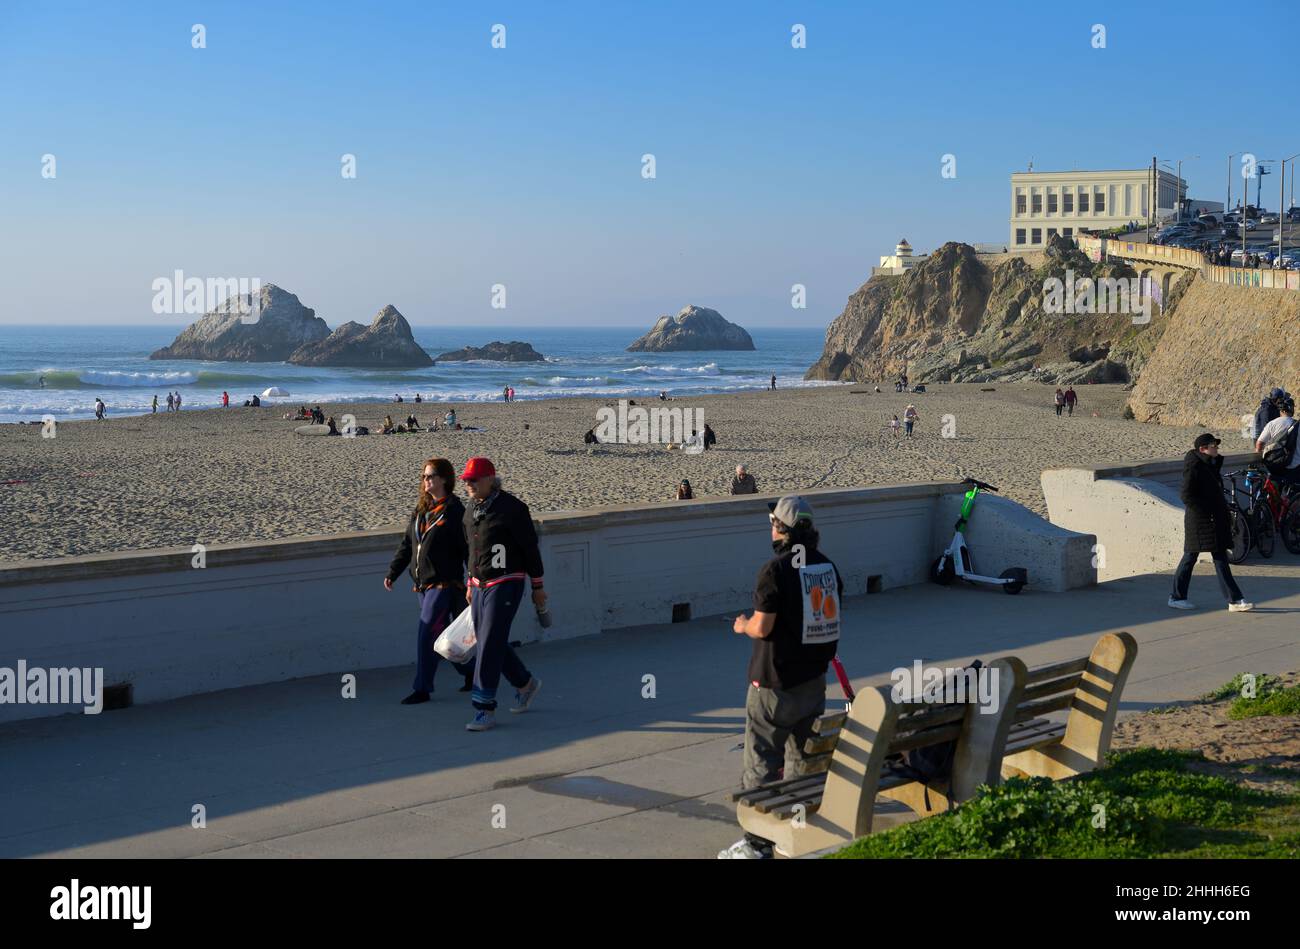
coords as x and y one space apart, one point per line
469 684
415 698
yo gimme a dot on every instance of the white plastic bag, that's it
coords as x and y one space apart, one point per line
457 642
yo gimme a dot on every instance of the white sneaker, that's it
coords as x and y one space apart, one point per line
742 849
524 697
1241 606
482 722
1183 604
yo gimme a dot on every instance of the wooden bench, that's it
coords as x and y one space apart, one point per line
1090 688
836 803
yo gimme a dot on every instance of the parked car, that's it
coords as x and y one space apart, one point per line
1208 220
1268 219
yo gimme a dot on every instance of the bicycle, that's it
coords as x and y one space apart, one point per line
1280 503
1239 526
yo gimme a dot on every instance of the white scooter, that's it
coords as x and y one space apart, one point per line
955 562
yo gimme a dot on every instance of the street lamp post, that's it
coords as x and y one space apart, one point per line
1281 199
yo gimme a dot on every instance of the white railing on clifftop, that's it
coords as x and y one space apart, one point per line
1102 248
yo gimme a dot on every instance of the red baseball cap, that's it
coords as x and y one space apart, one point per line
478 467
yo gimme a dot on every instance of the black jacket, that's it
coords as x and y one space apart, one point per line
505 521
1206 526
439 557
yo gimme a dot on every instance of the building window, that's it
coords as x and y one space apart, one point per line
1051 232
1037 236
1020 204
1051 202
1068 202
1099 203
1020 235
1038 204
1069 232
1083 202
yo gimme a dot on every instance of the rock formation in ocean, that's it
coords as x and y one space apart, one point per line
694 328
271 334
497 352
386 342
955 318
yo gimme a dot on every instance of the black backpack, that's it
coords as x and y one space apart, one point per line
932 763
1280 452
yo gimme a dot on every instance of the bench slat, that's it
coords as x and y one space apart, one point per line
828 723
749 795
1052 670
1052 686
1033 709
926 738
821 744
800 796
933 715
1035 739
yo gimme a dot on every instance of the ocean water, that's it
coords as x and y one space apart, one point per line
80 363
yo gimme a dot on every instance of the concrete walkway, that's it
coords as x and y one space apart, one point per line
595 770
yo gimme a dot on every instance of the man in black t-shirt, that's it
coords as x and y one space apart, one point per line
796 629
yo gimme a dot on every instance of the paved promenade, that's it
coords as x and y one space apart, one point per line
596 770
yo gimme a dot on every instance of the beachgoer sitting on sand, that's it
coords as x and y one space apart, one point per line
663 396
450 418
397 397
743 482
257 402
412 423
389 427
590 438
709 438
684 491
330 422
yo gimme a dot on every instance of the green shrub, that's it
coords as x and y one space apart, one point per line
1264 684
1276 702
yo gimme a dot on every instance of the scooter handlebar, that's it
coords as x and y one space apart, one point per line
982 485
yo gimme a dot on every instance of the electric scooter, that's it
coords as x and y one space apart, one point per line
955 562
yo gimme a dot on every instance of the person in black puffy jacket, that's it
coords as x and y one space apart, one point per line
434 547
1207 526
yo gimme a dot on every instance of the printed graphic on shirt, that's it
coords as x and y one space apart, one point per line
821 612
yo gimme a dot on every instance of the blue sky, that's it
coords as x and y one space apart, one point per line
522 166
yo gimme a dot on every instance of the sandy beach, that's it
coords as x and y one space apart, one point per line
224 476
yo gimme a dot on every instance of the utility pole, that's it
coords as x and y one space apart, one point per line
1281 199
1227 205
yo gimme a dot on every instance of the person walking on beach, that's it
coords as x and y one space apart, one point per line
503 554
795 629
743 482
171 401
178 400
99 408
1059 398
1071 397
435 548
909 419
894 426
1206 525
225 399
505 393
155 403
774 382
709 437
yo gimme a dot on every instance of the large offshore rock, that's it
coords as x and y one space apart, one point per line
272 334
386 342
694 328
496 352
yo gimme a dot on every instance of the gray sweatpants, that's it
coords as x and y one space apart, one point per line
777 722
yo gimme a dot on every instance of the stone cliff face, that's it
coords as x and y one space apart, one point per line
1225 348
694 328
282 326
498 352
386 342
954 318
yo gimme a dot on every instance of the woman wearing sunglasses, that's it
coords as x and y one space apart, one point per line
435 548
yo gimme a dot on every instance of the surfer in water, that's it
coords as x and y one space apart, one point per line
41 382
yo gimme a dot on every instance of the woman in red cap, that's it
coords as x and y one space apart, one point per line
503 554
434 546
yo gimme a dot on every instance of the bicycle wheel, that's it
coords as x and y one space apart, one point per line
1263 532
1291 530
1240 536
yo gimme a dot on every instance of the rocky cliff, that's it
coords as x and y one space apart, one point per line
1224 349
387 342
955 318
498 352
694 328
282 326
